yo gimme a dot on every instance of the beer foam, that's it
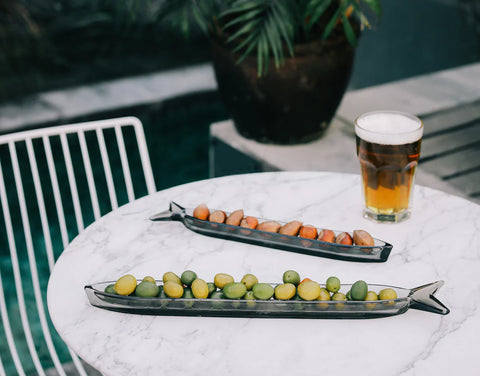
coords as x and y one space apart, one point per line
389 128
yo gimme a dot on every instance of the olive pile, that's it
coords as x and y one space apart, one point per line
292 228
188 285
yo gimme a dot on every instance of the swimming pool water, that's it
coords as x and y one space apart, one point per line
177 133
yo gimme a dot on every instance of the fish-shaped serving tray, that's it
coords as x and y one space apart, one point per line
421 298
377 253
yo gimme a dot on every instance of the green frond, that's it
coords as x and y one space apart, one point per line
374 5
314 10
244 17
332 23
268 28
181 13
262 55
241 7
349 33
266 25
363 8
286 28
275 44
249 44
245 29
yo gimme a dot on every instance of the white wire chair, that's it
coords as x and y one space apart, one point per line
54 181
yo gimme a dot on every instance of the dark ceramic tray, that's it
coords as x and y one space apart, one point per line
377 253
421 298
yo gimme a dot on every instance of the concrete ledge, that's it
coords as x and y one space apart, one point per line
429 95
335 151
419 95
61 105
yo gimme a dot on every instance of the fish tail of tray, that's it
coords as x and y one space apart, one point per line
385 252
174 213
422 298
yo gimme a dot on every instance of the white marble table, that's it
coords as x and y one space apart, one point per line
441 241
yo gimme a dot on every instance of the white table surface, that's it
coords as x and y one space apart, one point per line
441 241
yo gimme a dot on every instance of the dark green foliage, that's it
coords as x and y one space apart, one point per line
270 28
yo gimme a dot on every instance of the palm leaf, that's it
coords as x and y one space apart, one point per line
245 29
262 55
249 44
314 10
331 24
244 17
349 33
275 44
374 5
181 12
286 30
360 15
241 7
266 26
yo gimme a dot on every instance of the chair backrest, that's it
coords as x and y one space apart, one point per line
53 182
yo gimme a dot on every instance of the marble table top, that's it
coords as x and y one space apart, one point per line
441 241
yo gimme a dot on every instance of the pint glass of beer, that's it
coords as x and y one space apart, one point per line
388 148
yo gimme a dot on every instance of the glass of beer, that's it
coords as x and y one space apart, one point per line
388 148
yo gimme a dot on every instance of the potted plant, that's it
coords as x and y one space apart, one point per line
282 66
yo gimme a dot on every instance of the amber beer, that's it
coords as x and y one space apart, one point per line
388 148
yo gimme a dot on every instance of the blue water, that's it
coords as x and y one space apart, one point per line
177 137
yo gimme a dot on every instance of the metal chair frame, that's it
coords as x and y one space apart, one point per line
25 140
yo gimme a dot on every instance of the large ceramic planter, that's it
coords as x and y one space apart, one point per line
293 104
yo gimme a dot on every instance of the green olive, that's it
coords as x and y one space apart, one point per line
188 294
250 298
146 289
249 280
173 289
324 297
285 292
200 289
161 293
216 296
249 295
309 290
339 296
188 277
171 276
371 297
211 288
262 291
359 290
324 294
222 279
291 276
110 289
234 290
333 284
387 294
149 279
125 285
